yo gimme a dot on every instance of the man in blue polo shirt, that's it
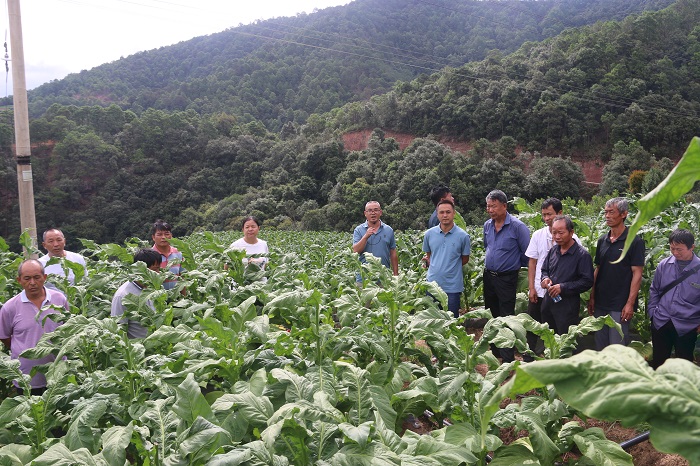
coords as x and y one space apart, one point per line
447 248
505 239
377 238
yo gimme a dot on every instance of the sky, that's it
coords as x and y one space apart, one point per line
66 36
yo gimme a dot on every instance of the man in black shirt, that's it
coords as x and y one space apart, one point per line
616 286
567 272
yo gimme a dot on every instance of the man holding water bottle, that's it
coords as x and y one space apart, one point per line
567 272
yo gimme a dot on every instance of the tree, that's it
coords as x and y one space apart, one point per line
625 159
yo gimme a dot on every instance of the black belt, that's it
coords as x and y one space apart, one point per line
502 274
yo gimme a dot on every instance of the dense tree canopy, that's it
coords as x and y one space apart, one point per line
285 69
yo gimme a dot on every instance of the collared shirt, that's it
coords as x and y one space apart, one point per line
175 258
573 271
133 328
446 251
540 244
24 324
613 282
379 244
57 269
505 249
680 304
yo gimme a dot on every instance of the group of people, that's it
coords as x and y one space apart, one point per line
23 318
559 269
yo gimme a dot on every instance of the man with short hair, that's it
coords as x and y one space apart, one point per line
674 301
171 258
505 239
616 285
376 238
23 318
540 244
567 271
447 248
54 242
134 329
439 193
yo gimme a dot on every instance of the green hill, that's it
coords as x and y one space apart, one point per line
284 69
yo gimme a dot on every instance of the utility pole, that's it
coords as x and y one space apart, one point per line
23 150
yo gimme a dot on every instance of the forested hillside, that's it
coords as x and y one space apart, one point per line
285 69
587 88
624 88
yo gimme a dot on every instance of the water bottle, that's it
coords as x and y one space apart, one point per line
556 298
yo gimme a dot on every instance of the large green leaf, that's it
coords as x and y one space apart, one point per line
202 440
613 384
681 180
115 441
86 414
190 403
603 452
60 455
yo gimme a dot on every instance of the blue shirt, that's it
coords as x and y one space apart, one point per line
505 250
446 251
379 244
680 304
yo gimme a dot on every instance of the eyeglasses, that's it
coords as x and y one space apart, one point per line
372 211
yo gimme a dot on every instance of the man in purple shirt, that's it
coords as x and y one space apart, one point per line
674 304
22 318
505 239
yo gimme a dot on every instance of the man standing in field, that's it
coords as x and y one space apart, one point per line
54 242
134 329
447 248
377 238
439 193
674 301
616 286
23 318
505 239
540 244
567 271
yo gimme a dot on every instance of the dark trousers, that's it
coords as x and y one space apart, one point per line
499 297
533 341
666 339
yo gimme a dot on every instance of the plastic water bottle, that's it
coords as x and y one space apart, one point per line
556 298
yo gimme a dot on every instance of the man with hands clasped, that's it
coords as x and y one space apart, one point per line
567 272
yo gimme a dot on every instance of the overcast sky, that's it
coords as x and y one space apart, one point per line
67 36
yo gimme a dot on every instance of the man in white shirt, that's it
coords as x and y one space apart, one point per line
54 242
540 244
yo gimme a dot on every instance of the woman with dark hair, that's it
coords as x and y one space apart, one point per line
251 244
171 258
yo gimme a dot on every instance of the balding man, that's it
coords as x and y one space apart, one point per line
376 237
54 242
23 318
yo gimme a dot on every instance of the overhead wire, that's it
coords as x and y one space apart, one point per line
398 56
604 98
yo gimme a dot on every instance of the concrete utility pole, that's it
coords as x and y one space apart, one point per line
23 150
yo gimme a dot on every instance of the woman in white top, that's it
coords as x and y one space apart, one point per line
251 244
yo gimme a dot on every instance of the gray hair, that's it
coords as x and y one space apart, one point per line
497 195
567 221
19 270
620 203
43 236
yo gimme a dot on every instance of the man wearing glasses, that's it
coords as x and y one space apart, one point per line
376 238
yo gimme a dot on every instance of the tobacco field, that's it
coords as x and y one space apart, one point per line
308 369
